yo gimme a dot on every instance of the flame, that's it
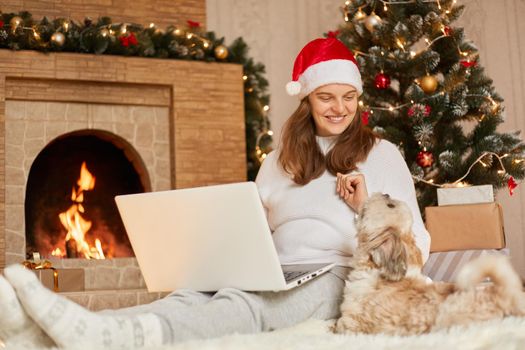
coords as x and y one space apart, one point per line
57 252
76 226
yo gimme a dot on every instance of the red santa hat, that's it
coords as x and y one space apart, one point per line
322 62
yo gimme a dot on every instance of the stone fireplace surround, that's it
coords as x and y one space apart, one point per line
184 119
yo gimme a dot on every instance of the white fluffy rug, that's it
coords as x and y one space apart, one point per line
313 334
508 334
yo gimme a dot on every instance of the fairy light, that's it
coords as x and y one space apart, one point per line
205 44
35 34
65 25
359 15
399 43
266 108
501 171
123 29
152 25
260 154
244 77
189 36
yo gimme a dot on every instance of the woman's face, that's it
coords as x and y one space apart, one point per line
333 108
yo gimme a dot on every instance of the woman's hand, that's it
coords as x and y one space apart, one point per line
352 189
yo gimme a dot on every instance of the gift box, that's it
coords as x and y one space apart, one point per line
465 195
466 226
444 266
62 280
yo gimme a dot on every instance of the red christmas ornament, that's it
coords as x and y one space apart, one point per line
420 109
132 39
193 24
129 39
424 159
332 34
1 24
468 64
511 184
124 41
447 30
382 81
364 117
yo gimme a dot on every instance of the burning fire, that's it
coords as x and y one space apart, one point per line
76 225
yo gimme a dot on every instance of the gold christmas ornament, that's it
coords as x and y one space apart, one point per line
372 21
359 15
15 22
221 52
58 38
428 83
178 33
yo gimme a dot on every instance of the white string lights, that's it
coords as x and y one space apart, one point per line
261 153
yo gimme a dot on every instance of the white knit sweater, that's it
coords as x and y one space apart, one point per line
312 224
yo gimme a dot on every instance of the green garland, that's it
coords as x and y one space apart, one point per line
21 32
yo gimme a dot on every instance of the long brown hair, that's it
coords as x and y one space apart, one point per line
301 156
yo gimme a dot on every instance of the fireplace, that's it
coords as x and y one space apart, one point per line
173 124
69 196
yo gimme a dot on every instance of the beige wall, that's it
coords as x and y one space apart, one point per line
275 31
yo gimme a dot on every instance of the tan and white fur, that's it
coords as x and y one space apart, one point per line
386 293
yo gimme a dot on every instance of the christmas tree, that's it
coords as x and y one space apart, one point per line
425 91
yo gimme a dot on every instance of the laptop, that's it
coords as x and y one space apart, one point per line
207 238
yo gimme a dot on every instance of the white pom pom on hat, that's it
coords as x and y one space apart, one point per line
322 62
293 88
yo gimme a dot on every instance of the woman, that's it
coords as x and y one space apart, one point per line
311 188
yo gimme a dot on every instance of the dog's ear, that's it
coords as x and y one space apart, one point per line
390 256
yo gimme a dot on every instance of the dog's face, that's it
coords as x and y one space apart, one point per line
384 233
380 212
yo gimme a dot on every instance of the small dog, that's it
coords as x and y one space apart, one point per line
386 292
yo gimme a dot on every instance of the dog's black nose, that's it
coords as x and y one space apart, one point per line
386 195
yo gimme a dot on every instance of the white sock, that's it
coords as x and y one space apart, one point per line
69 324
17 329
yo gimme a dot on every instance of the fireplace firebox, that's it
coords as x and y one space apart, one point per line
69 203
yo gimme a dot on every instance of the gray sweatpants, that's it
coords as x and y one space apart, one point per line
187 314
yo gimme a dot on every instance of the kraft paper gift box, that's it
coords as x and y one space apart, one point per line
69 280
465 195
444 266
466 226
